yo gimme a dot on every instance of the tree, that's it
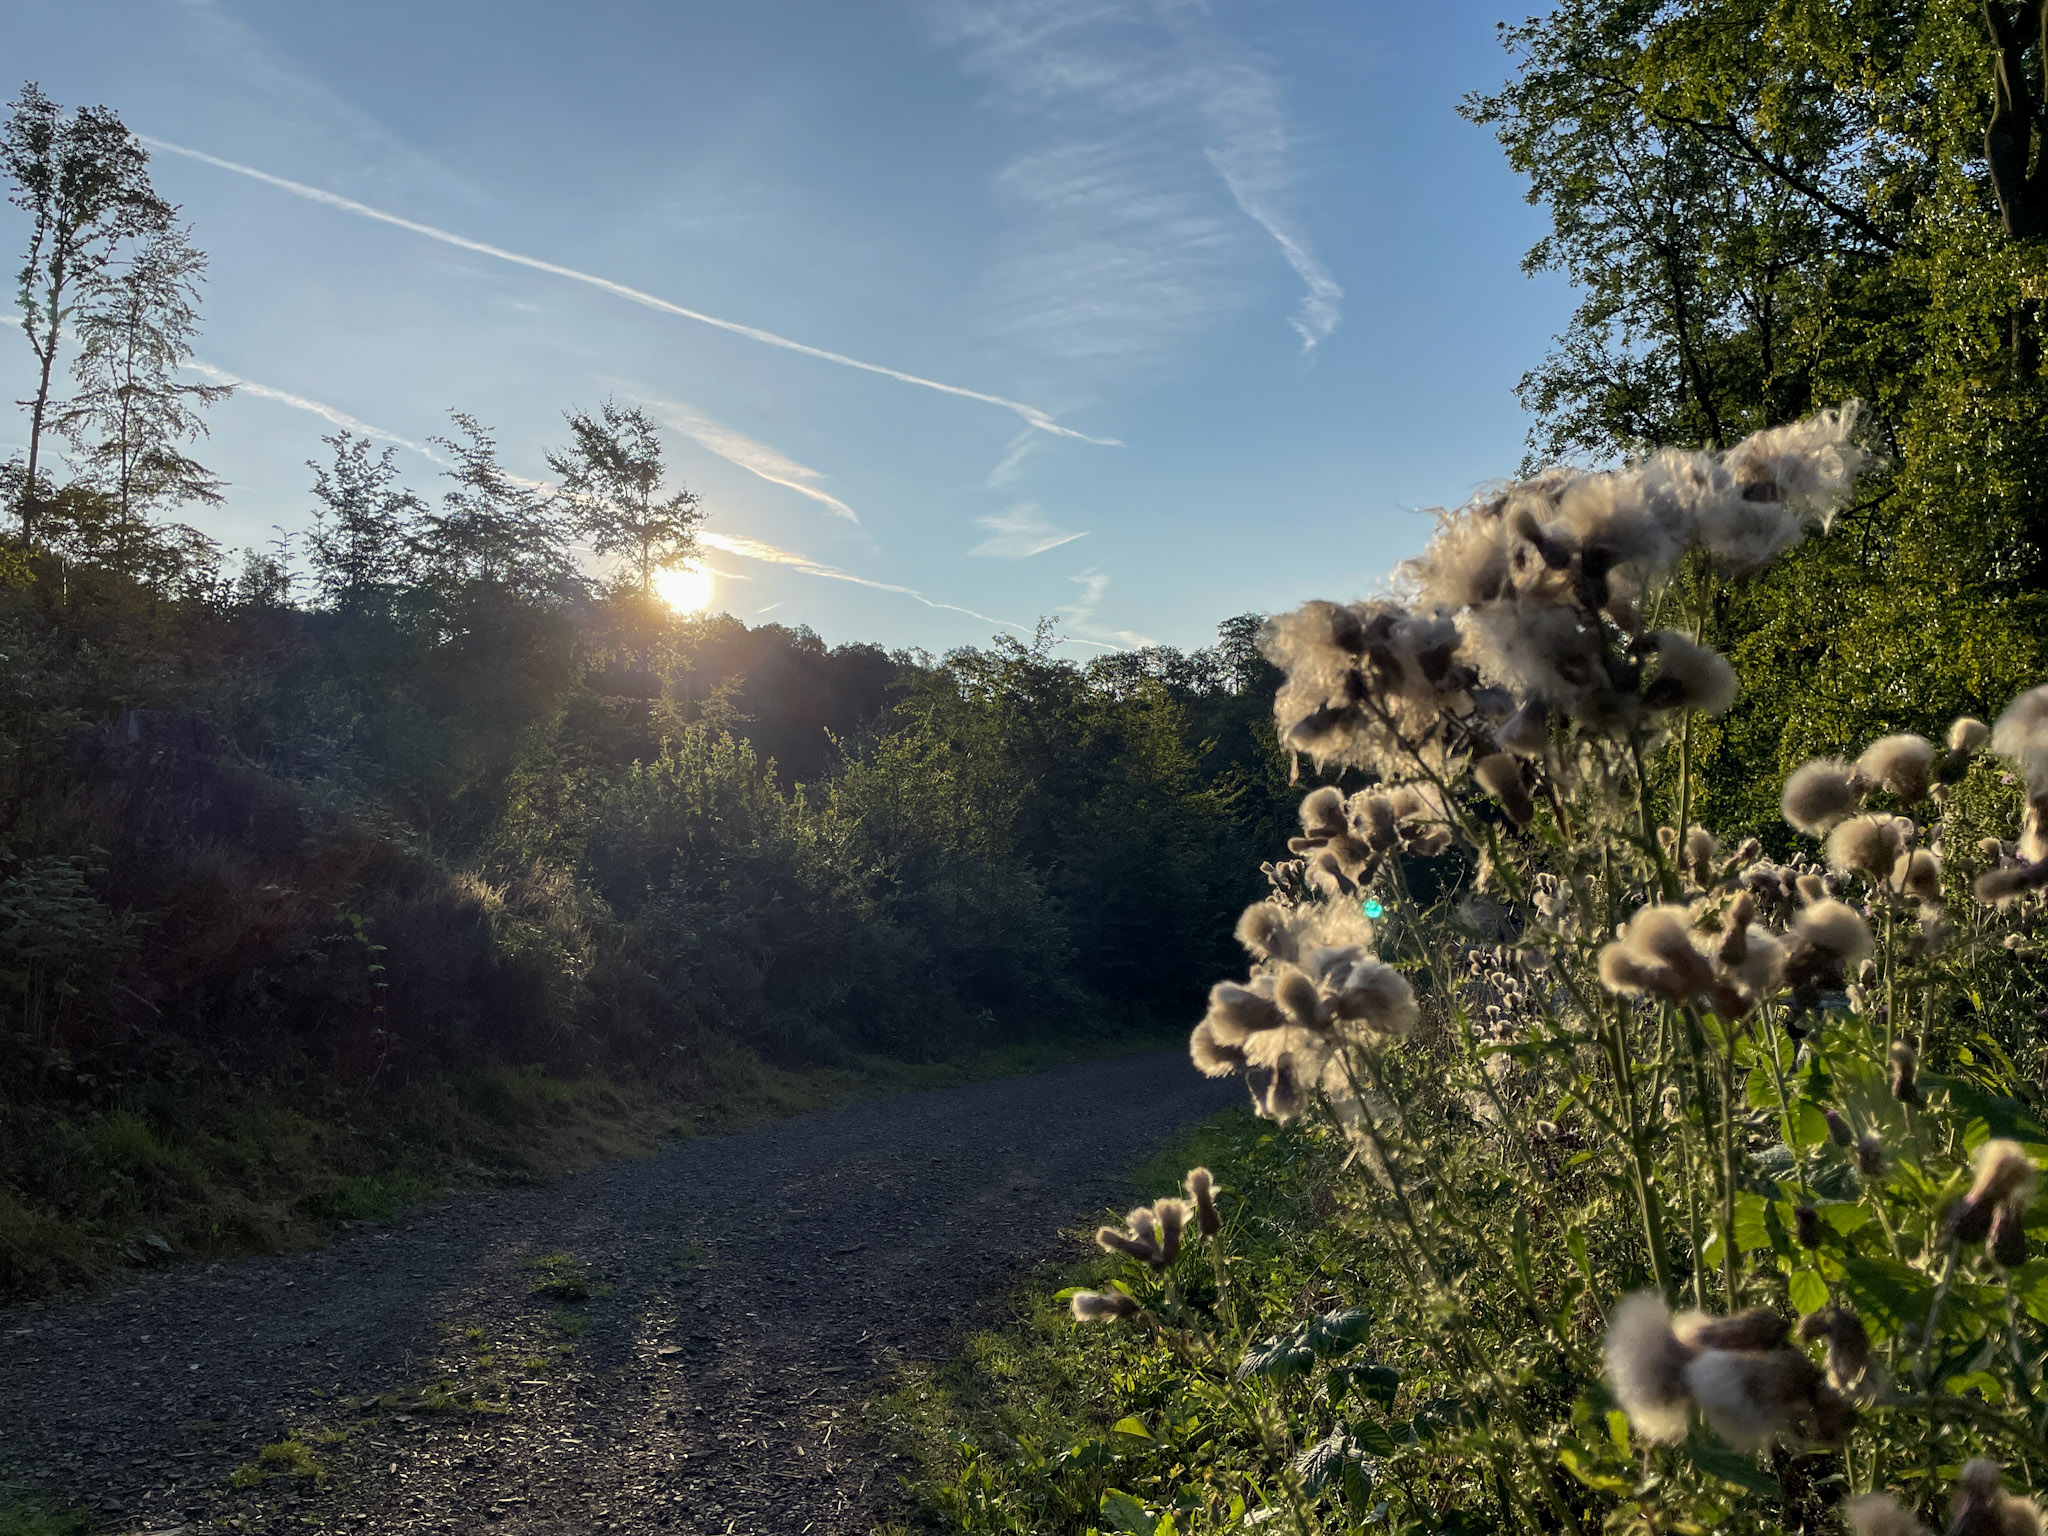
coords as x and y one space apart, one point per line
132 412
83 181
362 539
494 530
611 474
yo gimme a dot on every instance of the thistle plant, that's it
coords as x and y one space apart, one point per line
1695 1183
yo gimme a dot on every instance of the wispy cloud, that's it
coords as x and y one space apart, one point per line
1020 533
1029 413
325 412
771 554
1080 616
1126 244
755 458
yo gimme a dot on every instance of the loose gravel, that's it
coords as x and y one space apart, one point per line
693 1364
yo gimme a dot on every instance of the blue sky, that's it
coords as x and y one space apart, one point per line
1241 291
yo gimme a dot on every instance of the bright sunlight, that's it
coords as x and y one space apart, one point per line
685 588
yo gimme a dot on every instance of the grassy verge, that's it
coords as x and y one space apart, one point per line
1042 1425
200 1168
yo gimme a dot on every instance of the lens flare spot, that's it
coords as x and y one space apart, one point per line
1373 908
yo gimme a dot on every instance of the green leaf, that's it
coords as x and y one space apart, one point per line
1323 1462
1809 1291
1132 1429
1750 1228
1617 1430
1121 1512
1730 1467
1357 1485
1335 1332
1883 1290
1575 1243
1579 1464
1279 1359
1373 1383
1809 1125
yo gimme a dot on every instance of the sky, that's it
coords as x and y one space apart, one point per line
1135 314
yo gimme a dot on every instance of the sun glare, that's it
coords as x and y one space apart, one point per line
685 588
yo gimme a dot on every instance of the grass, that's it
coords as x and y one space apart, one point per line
30 1519
1037 1419
199 1167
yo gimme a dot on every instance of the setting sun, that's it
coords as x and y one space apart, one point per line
685 588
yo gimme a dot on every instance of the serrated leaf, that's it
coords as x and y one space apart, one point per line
1335 1332
1323 1462
1883 1290
1581 1466
1809 1292
1279 1359
1357 1485
1374 1439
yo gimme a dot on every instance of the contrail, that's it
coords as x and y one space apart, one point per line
325 412
756 549
1030 413
755 458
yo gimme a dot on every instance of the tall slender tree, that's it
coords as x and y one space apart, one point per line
133 412
493 529
83 181
364 525
611 473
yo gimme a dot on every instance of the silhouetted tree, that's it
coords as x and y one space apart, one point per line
364 524
83 181
611 474
493 529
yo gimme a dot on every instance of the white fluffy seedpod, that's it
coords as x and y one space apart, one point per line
1748 1397
1879 1514
1101 1306
1212 1055
1967 735
1903 764
1819 794
1646 1364
2021 734
1868 844
1982 1507
1263 930
1918 874
1836 929
1689 675
1656 955
1378 996
1500 775
1322 812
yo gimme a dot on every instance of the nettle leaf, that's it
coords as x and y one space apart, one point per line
1323 1463
1883 1290
1374 1439
1989 1114
1335 1332
1809 1292
1580 1463
1751 1230
2031 1286
1374 1383
1279 1359
1357 1484
1809 1125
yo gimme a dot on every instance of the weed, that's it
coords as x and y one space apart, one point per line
560 1276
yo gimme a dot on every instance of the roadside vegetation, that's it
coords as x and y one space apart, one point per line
1652 991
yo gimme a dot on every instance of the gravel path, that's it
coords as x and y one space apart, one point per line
742 1293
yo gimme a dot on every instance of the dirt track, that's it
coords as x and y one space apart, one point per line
743 1292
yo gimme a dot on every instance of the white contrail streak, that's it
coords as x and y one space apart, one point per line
325 412
755 458
756 549
1030 413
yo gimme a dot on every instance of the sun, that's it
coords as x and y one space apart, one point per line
685 588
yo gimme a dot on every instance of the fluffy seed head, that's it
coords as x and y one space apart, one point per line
1263 930
2021 734
1752 1330
1869 844
1201 1187
1646 1364
1655 955
1500 775
1212 1056
2005 1174
1237 1011
1322 812
1918 873
1968 735
1101 1306
1819 794
1870 1156
1297 997
1689 676
1903 764
1748 1398
1377 995
1879 1514
1835 929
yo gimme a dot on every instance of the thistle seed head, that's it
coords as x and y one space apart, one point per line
1646 1364
1750 1398
1903 764
1101 1306
1819 794
1967 735
1879 1514
1201 1187
1868 845
1500 775
1870 1156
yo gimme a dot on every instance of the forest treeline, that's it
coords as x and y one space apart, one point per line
441 795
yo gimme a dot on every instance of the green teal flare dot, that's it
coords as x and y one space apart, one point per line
1373 907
